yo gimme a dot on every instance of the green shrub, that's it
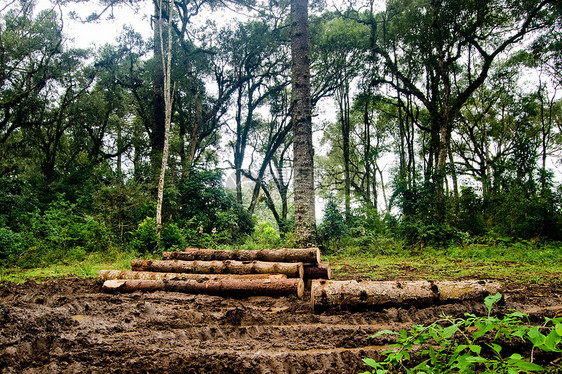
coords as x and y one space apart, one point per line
207 211
172 238
333 227
10 243
145 238
266 236
469 345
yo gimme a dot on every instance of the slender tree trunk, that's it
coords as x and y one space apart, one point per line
167 69
367 150
301 115
194 135
157 126
346 130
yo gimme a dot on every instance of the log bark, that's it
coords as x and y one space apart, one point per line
220 287
148 275
291 270
325 293
308 255
317 271
465 290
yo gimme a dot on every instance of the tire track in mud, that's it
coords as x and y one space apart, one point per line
68 326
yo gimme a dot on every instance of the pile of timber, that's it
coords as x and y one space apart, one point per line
239 273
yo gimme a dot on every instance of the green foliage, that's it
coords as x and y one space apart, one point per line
265 235
58 234
145 238
207 208
469 345
122 206
10 243
333 227
172 238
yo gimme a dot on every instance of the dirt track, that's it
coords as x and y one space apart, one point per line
69 326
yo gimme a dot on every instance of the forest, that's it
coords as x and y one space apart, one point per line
446 129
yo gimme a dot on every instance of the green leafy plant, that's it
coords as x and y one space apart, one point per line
469 345
145 237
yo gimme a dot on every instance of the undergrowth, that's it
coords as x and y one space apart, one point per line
471 345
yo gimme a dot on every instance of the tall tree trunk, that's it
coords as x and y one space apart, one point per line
301 115
157 126
346 133
166 62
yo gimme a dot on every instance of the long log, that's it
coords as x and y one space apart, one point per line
465 290
317 271
221 287
326 293
309 255
291 270
149 275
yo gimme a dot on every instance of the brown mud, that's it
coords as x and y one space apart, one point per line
70 326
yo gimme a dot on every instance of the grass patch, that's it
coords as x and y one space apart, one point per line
518 263
86 268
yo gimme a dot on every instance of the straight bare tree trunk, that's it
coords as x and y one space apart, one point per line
301 115
308 255
167 69
149 275
221 287
291 270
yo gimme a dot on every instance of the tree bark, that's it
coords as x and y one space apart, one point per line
308 255
301 115
148 275
221 287
379 294
291 270
156 133
167 69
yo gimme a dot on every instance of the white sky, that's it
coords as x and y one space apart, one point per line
95 34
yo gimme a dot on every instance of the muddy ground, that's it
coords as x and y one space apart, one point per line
69 326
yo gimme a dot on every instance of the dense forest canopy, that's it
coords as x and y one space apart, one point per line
448 125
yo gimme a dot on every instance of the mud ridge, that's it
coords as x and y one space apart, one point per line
68 326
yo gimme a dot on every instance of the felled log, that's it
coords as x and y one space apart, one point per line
310 255
220 287
326 293
149 275
465 290
291 270
317 271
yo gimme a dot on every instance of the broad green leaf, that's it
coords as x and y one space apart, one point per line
383 332
372 363
475 359
475 348
449 331
497 348
517 314
461 348
535 336
526 365
552 340
490 300
558 328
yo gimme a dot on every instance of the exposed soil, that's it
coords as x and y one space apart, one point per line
69 326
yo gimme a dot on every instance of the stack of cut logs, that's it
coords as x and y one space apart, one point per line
222 272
